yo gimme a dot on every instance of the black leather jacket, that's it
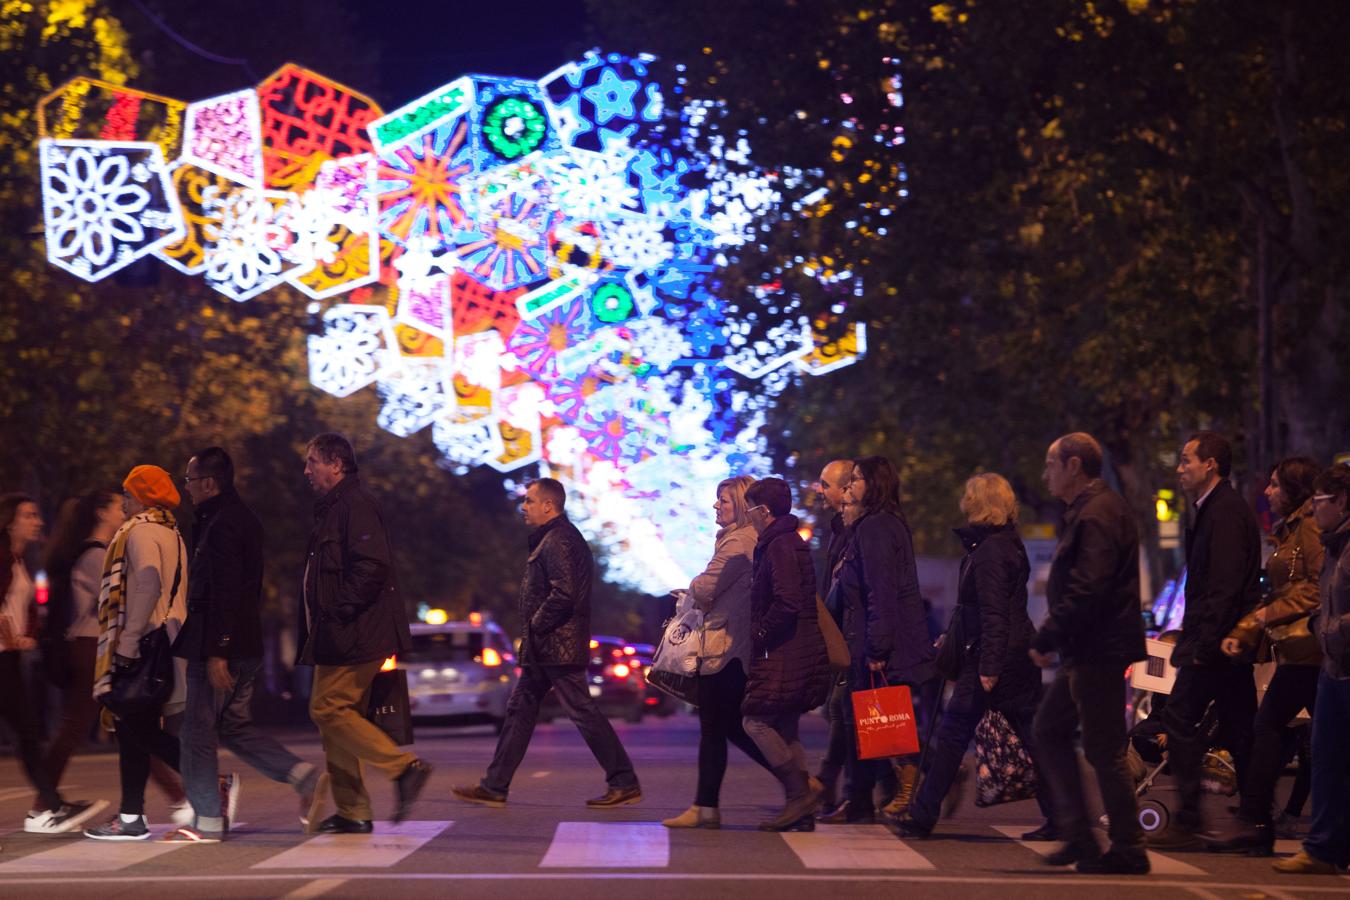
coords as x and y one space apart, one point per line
350 587
555 596
1092 593
225 582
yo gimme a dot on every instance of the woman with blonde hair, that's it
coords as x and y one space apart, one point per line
722 592
992 624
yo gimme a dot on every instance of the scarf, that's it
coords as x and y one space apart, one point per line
112 594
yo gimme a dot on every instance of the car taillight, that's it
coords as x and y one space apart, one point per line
390 664
620 670
491 658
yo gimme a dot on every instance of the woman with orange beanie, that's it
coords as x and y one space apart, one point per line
144 586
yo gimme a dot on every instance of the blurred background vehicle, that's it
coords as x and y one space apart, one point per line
459 673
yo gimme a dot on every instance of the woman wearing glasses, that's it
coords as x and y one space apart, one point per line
885 624
722 592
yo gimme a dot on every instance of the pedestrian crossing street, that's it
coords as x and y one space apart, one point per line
574 845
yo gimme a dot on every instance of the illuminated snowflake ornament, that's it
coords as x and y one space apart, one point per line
106 205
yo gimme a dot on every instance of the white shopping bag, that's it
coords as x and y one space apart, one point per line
679 647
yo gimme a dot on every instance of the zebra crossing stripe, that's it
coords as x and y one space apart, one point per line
387 846
85 855
1159 864
608 845
854 847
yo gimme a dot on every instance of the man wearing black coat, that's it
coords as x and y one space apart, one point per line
1095 625
222 642
555 607
352 619
1223 584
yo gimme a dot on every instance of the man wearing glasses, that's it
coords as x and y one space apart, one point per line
222 642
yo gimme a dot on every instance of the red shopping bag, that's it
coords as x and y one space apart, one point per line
885 723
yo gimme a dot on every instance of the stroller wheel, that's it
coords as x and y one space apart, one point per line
1153 816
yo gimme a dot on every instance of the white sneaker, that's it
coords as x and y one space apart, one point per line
181 814
58 821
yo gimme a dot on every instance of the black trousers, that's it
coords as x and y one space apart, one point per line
835 760
17 712
522 712
1090 697
1229 687
139 738
720 721
1292 688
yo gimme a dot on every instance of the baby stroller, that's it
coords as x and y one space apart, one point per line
1146 754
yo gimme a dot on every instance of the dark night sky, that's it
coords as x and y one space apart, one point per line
430 43
414 46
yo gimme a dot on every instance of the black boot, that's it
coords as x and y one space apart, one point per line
800 802
1253 838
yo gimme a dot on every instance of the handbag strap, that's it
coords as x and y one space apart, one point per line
872 679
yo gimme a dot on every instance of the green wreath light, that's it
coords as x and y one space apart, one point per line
611 303
514 126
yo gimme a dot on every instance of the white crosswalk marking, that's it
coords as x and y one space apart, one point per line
1160 865
854 847
608 845
79 854
386 847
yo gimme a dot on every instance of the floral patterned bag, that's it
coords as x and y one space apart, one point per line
1004 771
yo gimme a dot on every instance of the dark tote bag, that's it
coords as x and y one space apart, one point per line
389 706
146 684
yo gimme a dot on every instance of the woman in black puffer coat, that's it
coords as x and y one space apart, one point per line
790 670
996 632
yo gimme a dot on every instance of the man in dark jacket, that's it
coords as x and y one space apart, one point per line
555 607
1328 842
1095 625
222 642
834 479
1223 584
352 619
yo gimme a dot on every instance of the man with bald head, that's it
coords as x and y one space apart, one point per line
833 488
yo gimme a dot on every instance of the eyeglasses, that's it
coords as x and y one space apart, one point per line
759 506
1323 498
188 479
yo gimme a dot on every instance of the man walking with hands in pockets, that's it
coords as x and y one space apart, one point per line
555 648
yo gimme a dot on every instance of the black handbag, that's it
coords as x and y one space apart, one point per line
146 683
390 709
681 687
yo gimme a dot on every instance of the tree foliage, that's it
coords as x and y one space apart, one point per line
1089 191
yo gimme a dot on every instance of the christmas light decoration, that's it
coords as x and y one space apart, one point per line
538 264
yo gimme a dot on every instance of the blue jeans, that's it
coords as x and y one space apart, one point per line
215 717
1329 837
957 726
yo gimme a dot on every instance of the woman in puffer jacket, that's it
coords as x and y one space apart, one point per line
1278 629
790 668
722 593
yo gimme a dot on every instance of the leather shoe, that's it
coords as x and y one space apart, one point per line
1303 864
1114 862
336 824
616 797
408 787
1251 838
1047 832
476 793
907 827
1073 852
846 814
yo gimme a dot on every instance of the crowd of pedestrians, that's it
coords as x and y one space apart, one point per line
162 645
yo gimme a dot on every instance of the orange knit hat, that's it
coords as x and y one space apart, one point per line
152 486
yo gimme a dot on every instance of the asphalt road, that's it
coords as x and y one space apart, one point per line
546 844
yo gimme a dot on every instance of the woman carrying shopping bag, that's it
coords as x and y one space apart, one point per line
993 631
722 594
